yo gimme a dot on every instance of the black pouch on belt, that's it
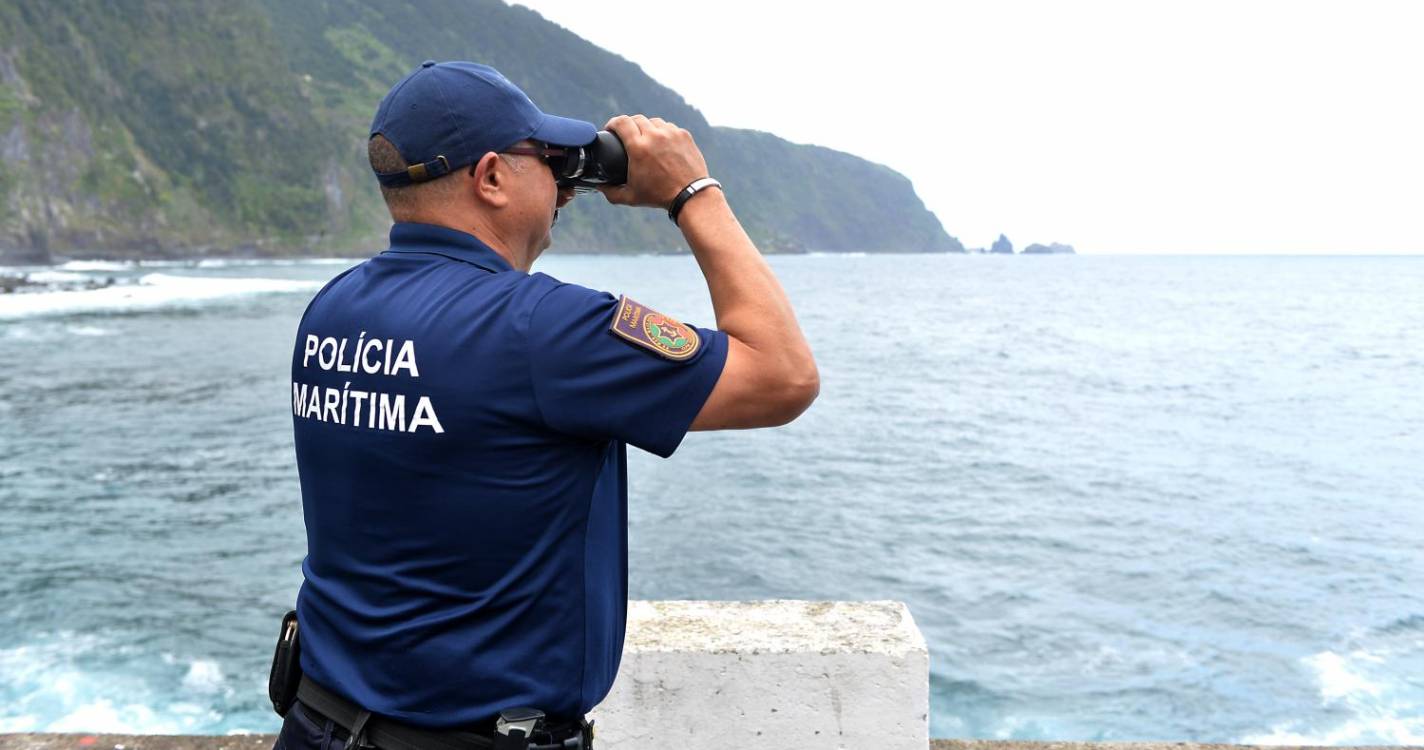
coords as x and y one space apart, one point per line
286 667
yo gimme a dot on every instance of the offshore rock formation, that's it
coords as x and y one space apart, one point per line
1052 248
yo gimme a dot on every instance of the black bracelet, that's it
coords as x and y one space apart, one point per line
693 188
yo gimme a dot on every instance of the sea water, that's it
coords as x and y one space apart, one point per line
1125 498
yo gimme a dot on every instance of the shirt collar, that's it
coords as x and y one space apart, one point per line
411 237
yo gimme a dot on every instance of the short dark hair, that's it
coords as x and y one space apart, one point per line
384 158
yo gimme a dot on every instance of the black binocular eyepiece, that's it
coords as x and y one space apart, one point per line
584 168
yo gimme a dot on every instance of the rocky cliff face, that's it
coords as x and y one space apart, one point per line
162 129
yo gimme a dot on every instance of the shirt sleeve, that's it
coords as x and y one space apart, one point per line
609 368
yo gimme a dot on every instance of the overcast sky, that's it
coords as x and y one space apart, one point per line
1118 127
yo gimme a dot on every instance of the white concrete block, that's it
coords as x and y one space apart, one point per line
778 674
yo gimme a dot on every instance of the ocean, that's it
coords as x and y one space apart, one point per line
1125 498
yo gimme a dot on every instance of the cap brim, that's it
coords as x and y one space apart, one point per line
563 131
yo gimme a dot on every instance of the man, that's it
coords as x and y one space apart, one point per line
461 423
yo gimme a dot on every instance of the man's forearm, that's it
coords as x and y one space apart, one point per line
748 300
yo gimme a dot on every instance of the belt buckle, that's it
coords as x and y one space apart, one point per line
515 727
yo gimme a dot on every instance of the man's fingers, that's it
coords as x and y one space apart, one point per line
623 126
626 126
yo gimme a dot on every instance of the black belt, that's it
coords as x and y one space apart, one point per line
366 729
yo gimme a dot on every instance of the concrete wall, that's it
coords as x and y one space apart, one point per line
776 674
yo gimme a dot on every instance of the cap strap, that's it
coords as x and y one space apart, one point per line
416 173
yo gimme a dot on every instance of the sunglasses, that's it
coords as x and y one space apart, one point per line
557 158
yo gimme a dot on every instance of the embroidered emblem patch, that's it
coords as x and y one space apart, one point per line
654 330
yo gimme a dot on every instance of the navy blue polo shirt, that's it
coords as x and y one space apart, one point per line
460 434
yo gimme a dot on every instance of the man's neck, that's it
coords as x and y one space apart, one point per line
491 236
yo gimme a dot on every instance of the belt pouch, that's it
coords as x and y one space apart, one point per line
286 667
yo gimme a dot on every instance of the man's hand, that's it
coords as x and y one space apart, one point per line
662 160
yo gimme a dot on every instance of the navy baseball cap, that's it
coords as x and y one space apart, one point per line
447 115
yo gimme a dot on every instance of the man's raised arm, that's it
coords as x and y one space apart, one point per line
770 377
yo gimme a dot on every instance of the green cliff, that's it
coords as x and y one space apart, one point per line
141 129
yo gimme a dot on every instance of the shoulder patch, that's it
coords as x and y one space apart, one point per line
656 331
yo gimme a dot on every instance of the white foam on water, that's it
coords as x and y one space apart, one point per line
21 723
57 277
1382 712
165 263
204 677
48 331
103 716
154 290
242 262
1339 679
47 690
95 265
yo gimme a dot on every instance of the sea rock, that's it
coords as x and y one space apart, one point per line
1002 246
1052 248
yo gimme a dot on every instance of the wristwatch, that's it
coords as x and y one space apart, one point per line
693 188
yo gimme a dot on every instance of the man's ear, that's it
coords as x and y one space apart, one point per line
491 184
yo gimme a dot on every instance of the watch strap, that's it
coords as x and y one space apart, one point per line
693 188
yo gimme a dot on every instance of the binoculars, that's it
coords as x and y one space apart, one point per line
584 168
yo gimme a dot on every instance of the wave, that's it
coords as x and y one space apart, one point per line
151 291
241 262
96 265
57 277
1382 710
1406 624
131 265
87 330
46 690
50 331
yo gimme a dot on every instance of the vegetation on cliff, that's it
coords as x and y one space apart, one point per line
140 129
